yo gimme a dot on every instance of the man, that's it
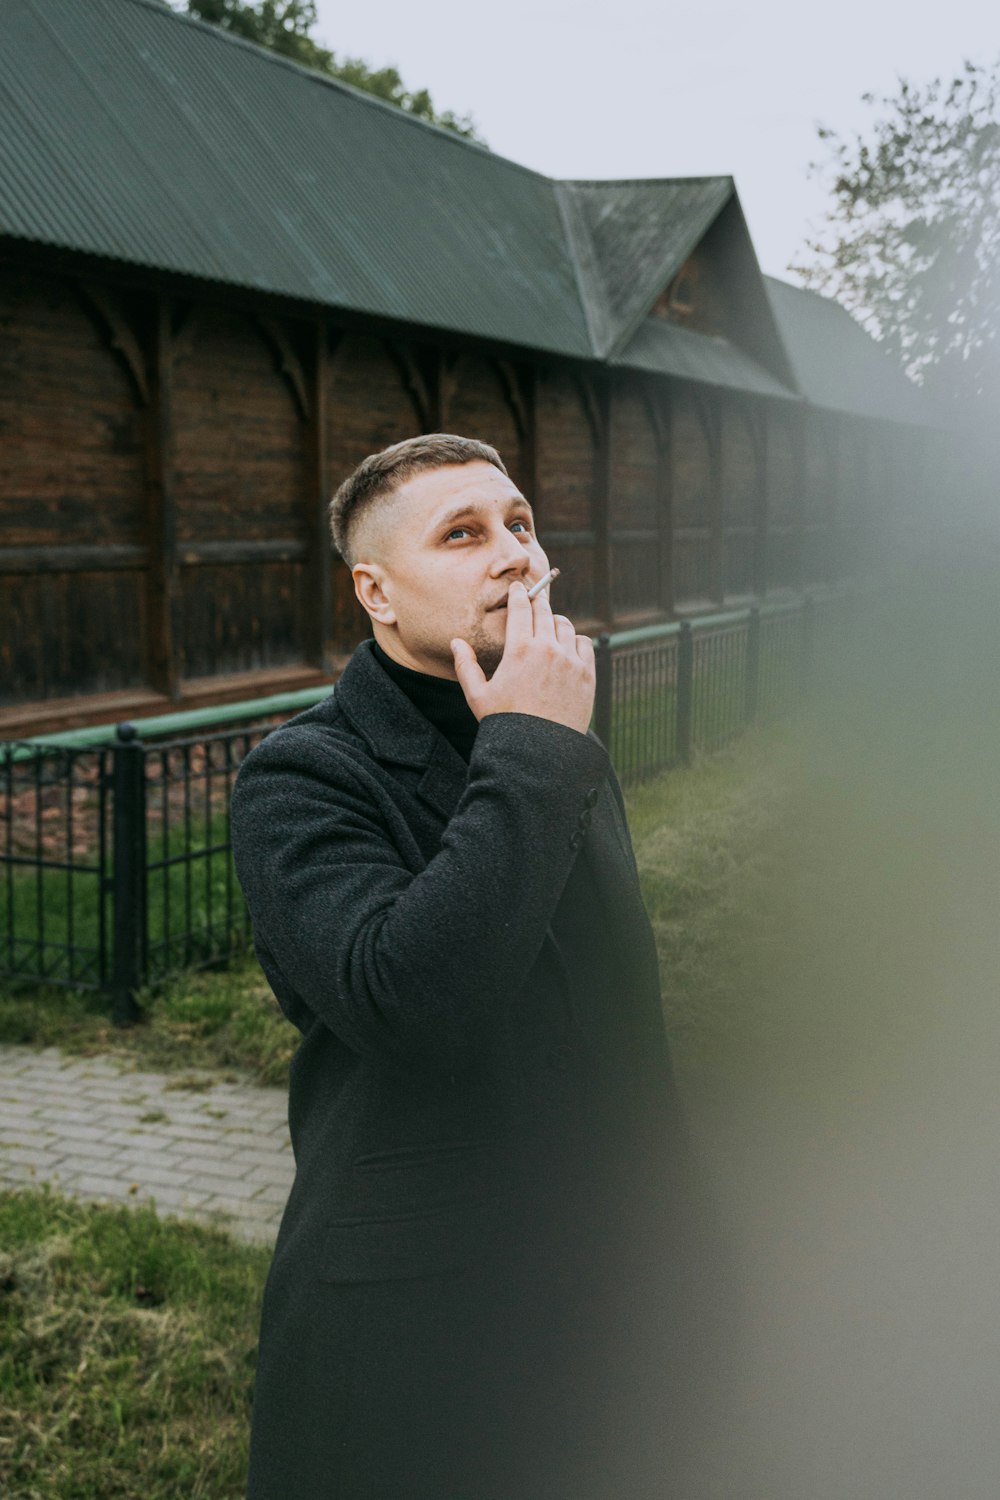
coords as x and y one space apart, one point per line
465 1301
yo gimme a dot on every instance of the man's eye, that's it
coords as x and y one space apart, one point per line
459 531
523 524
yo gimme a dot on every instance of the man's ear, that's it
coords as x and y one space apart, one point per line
369 586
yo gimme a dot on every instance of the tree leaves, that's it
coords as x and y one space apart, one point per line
284 26
911 241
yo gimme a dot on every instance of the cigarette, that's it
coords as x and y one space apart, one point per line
543 583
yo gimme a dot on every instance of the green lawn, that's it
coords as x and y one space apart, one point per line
127 1350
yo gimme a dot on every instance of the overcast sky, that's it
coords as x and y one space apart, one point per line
636 89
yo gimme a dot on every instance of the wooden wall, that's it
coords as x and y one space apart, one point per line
166 465
568 437
72 606
639 504
695 494
239 491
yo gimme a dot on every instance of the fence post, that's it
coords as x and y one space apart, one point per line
808 644
603 696
685 686
128 823
751 687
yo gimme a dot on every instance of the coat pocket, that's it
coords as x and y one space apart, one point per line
389 1248
412 1211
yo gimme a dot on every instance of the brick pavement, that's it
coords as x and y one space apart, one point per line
218 1154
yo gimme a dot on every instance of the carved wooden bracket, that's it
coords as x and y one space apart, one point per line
334 339
119 335
709 417
181 323
659 423
413 380
515 398
288 362
592 407
447 380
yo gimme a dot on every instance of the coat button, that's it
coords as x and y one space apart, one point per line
591 798
576 840
561 1056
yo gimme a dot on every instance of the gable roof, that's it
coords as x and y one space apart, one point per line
628 239
133 133
836 365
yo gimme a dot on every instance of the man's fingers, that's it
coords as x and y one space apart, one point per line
520 621
585 648
470 674
565 631
543 614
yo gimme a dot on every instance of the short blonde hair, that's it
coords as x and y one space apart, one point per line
379 475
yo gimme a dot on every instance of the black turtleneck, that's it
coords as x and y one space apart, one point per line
438 699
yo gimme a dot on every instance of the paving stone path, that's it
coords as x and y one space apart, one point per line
219 1154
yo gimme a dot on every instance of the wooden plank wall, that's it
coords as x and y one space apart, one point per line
72 605
165 468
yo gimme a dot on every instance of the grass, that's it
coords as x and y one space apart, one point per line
224 1021
127 1349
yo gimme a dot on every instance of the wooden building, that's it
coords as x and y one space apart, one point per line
225 279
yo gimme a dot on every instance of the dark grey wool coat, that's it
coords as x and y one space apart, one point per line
460 1302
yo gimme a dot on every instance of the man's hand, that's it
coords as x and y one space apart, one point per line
546 670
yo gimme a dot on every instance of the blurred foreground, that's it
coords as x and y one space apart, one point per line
842 1076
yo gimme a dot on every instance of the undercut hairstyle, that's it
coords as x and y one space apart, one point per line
379 475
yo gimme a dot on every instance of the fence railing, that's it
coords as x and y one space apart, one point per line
115 857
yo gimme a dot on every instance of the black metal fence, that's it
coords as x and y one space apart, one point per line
668 692
116 864
115 857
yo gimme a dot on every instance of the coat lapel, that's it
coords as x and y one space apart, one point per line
397 733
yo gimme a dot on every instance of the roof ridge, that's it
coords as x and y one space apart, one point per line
162 8
585 182
586 277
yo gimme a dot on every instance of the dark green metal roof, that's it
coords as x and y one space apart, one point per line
666 349
130 132
133 132
628 240
837 366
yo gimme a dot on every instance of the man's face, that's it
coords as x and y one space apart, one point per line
444 550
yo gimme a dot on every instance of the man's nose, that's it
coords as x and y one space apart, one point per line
509 556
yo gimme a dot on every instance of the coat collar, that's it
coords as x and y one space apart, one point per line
396 732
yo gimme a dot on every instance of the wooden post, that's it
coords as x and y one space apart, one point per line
319 571
761 559
665 503
603 591
798 532
162 577
530 387
716 429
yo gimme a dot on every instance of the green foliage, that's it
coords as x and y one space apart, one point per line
284 26
911 242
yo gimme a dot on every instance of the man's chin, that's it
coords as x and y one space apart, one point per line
489 659
489 653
